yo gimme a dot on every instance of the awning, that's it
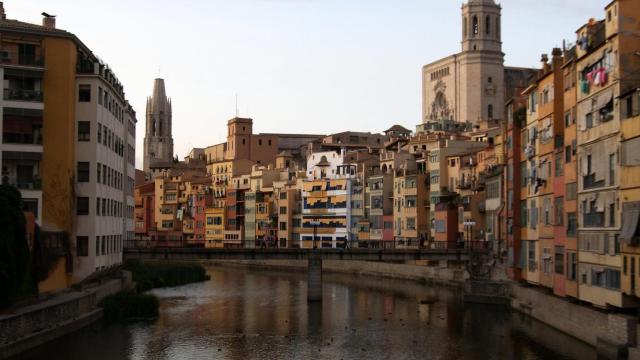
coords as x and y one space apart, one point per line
603 100
630 217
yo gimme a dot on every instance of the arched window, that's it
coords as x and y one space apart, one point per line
475 25
487 25
490 111
464 26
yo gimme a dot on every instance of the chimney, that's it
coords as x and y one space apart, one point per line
544 59
556 57
48 21
3 15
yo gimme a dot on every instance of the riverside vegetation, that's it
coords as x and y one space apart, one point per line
132 305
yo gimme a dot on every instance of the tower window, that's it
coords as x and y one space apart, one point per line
490 111
487 24
475 25
490 80
464 26
243 141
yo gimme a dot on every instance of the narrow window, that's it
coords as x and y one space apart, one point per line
82 245
84 131
475 25
84 93
487 24
83 171
82 206
490 111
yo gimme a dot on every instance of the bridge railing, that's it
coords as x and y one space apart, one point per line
476 245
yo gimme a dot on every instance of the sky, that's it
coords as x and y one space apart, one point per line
295 66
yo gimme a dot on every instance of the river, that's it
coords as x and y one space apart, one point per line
242 314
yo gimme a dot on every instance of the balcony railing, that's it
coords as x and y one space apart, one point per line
589 181
23 95
14 58
22 138
25 184
595 219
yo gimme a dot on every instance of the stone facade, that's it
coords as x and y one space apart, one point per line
471 85
158 142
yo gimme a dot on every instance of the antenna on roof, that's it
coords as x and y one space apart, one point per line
159 71
237 112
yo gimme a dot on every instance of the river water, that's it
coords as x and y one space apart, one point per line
242 314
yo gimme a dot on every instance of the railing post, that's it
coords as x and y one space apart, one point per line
314 277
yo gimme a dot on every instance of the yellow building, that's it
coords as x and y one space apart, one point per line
630 194
214 227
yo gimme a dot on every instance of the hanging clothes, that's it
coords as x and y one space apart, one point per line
603 76
584 86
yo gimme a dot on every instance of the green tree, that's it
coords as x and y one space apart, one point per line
15 258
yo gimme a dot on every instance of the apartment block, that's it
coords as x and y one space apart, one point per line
68 144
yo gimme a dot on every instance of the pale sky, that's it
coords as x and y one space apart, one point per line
297 66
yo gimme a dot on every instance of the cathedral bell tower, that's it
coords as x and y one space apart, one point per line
481 26
158 141
481 62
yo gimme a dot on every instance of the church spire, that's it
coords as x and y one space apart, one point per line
158 141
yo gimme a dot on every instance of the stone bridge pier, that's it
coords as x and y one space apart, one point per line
314 277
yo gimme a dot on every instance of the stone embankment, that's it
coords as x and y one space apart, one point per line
26 327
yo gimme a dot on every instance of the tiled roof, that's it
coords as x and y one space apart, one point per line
10 24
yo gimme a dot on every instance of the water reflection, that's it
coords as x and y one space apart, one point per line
265 315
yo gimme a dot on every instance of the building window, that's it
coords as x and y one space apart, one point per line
84 93
82 205
487 25
524 213
559 260
82 246
592 217
260 142
559 211
532 256
283 226
475 26
490 80
612 169
572 266
84 131
83 171
490 111
559 166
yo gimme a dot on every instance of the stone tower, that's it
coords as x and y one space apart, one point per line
158 142
481 61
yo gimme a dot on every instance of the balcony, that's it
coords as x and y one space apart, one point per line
590 182
21 128
23 175
23 95
594 219
22 57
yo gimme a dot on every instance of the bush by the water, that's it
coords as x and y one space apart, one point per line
155 275
129 305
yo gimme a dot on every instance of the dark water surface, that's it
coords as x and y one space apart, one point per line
241 314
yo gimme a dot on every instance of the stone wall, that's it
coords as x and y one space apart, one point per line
412 271
30 326
582 322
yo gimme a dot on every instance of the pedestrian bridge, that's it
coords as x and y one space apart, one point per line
389 255
437 252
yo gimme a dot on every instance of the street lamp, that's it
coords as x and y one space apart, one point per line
315 223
